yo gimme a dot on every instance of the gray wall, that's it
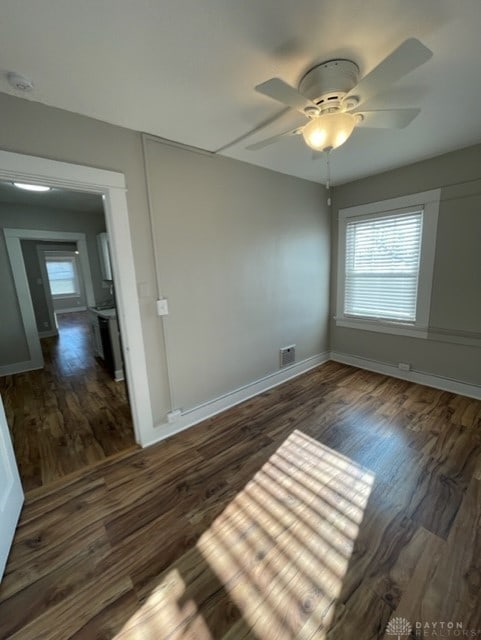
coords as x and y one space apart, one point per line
44 131
453 348
13 346
35 129
38 130
243 258
13 341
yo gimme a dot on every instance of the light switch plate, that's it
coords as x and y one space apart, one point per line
162 307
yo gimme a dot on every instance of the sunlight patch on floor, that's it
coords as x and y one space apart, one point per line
275 557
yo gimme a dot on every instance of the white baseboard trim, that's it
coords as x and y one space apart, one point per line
70 310
429 380
48 334
211 408
19 367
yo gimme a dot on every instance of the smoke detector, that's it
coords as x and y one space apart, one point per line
19 82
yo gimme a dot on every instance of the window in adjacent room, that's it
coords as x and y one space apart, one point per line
62 274
385 264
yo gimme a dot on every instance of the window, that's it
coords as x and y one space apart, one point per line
63 275
385 266
382 266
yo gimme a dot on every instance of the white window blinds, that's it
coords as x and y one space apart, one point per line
62 276
382 265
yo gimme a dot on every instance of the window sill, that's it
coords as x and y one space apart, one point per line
383 326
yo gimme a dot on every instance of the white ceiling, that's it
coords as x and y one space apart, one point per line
186 70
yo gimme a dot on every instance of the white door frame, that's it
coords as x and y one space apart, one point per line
111 185
11 491
13 238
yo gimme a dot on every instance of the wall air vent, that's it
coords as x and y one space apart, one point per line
288 355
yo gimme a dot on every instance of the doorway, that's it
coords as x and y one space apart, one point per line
62 280
75 332
68 408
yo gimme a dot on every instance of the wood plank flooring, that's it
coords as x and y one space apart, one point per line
69 414
320 509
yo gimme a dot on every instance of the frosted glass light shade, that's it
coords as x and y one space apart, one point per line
329 131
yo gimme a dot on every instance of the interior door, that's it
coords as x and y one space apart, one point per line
11 492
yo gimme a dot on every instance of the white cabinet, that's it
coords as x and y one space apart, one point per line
104 255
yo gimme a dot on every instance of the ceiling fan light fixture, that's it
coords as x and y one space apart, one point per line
329 131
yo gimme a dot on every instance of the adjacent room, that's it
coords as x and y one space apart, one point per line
240 337
62 380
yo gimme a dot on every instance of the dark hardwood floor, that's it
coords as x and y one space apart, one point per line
320 509
69 414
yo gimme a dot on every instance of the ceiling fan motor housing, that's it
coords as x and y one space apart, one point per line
327 83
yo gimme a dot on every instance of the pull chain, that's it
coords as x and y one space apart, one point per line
328 180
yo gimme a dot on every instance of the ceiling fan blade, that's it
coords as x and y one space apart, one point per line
272 139
407 57
282 92
388 118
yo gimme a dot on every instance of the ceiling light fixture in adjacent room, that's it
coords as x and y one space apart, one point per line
31 187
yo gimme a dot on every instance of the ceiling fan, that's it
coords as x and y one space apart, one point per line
330 96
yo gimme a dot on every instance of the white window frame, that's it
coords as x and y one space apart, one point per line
428 202
54 256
